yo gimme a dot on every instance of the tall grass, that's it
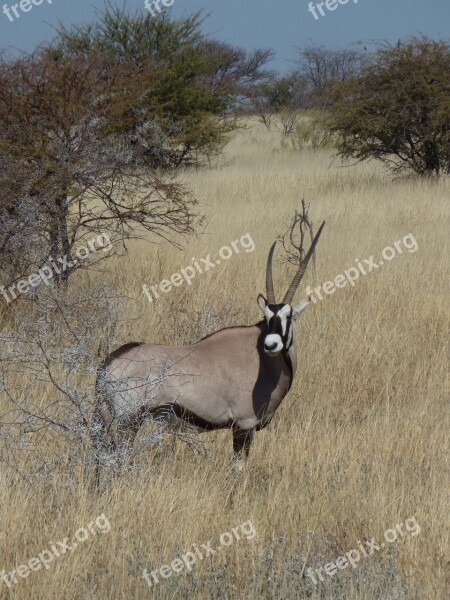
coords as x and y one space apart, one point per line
359 445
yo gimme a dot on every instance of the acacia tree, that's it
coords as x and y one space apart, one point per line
66 173
186 82
90 125
398 109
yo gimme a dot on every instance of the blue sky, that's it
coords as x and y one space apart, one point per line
281 25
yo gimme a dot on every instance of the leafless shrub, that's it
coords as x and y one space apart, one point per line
48 363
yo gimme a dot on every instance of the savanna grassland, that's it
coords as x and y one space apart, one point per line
359 445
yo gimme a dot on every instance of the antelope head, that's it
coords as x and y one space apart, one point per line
280 317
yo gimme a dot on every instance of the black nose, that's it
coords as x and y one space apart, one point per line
272 347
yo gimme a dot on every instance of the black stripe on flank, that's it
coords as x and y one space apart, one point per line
191 418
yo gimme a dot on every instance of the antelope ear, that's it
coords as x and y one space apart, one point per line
297 310
262 303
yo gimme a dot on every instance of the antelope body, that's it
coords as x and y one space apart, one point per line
234 378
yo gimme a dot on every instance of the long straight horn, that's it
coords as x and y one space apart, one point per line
301 270
269 280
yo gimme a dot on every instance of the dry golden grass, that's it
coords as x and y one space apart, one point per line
359 445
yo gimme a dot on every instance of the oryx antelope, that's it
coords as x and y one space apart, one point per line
234 378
